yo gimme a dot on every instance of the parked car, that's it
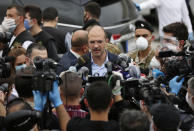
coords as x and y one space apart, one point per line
116 15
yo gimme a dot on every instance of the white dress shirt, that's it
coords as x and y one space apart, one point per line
169 11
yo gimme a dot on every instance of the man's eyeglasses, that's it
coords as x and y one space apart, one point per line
168 39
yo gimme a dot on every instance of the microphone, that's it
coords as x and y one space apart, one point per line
123 60
82 61
134 71
123 57
109 67
83 72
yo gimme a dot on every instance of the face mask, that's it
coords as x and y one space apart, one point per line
172 47
10 24
189 101
20 67
155 63
141 43
27 25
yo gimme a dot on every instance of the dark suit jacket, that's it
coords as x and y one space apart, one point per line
67 60
111 57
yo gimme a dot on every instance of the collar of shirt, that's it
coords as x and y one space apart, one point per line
99 70
72 107
75 54
11 41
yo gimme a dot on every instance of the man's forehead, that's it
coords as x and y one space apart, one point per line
12 11
41 53
142 31
96 31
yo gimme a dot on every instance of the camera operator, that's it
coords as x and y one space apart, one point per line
23 85
175 36
40 98
71 91
14 23
99 55
33 51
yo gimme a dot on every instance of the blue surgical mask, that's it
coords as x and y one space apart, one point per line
20 67
26 24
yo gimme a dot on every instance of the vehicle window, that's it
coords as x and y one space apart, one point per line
70 11
118 12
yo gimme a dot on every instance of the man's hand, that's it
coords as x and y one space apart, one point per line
156 73
175 86
39 100
8 25
191 36
54 95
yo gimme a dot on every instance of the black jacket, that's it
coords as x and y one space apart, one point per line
59 37
49 42
20 39
67 60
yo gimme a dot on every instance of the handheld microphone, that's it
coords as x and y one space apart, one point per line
123 60
83 72
82 61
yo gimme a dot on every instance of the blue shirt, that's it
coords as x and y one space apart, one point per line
99 70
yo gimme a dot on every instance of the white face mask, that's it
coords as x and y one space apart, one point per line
189 101
155 63
10 24
141 43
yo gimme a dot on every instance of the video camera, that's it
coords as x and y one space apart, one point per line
45 74
5 37
183 64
